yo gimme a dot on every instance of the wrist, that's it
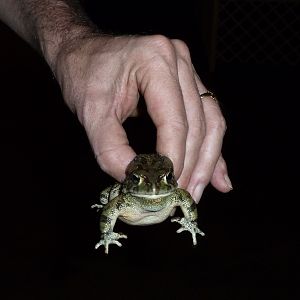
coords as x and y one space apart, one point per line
62 34
52 46
47 25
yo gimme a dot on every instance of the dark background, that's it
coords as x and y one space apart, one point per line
50 177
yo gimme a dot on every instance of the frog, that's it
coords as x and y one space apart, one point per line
148 195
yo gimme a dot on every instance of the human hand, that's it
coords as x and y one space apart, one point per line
101 80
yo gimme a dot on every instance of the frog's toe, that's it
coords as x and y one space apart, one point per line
106 244
98 206
181 229
194 238
122 235
200 232
177 219
187 225
194 230
110 238
99 244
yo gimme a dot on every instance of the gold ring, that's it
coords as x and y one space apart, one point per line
209 94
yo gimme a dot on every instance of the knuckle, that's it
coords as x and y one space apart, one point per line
161 44
197 135
222 124
158 53
219 124
202 178
197 129
181 48
160 40
184 64
180 126
183 55
159 62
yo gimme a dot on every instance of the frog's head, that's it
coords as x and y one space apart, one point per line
150 176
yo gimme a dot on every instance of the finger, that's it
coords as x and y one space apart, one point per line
160 86
194 111
220 179
211 148
111 147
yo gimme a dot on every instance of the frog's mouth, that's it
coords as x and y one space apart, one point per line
153 209
156 196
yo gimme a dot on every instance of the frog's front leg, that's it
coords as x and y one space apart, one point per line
189 209
106 195
108 219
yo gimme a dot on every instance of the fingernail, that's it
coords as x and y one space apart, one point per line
198 191
228 182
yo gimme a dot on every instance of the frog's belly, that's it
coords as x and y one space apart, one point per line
142 217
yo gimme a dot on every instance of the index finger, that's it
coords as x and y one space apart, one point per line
110 144
165 106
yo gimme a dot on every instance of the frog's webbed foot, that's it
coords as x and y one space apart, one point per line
98 206
190 226
110 238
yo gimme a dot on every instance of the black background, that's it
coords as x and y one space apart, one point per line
50 178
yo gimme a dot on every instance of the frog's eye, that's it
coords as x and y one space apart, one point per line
135 179
169 177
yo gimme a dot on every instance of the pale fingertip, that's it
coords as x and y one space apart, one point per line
228 182
221 183
220 178
183 182
197 193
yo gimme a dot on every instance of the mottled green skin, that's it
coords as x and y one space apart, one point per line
147 196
